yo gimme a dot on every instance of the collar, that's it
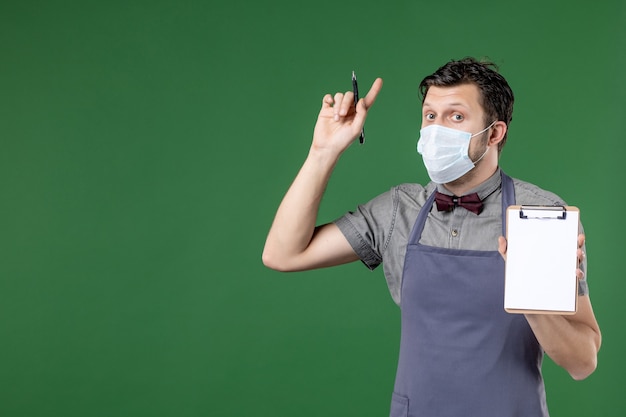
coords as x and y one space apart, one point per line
484 190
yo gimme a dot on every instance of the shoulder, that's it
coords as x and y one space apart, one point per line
411 193
372 226
401 195
527 193
383 214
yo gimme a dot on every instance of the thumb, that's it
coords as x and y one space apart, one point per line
502 243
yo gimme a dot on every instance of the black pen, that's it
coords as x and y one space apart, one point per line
355 90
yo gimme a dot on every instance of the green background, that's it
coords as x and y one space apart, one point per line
145 146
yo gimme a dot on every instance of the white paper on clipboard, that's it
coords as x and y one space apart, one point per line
541 260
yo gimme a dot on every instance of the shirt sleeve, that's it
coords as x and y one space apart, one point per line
367 228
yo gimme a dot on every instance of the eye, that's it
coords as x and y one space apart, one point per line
429 116
457 117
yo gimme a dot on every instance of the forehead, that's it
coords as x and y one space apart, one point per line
464 95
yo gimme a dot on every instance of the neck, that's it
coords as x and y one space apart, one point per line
470 180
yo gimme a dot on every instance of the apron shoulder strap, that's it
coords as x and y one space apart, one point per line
508 197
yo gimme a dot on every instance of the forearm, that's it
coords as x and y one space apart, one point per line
294 242
295 220
570 342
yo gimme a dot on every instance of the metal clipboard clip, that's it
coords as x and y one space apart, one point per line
542 212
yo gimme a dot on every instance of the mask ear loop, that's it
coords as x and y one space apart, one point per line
488 127
481 157
486 150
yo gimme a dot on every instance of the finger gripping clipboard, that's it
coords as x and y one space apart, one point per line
541 260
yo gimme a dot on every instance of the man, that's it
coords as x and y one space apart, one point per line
460 352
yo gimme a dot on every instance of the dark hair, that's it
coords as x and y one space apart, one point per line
496 94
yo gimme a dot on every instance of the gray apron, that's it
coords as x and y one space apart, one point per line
461 354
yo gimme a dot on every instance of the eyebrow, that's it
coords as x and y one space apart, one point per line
454 104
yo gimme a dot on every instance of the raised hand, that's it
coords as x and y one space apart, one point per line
339 122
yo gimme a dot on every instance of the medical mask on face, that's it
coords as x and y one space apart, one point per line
445 152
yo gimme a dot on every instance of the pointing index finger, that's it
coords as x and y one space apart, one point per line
370 98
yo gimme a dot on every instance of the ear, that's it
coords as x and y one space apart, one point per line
497 132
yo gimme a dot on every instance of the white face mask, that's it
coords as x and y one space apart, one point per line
446 152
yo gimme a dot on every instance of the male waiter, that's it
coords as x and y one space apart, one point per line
442 251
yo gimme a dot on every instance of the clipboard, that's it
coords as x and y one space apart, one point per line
541 260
